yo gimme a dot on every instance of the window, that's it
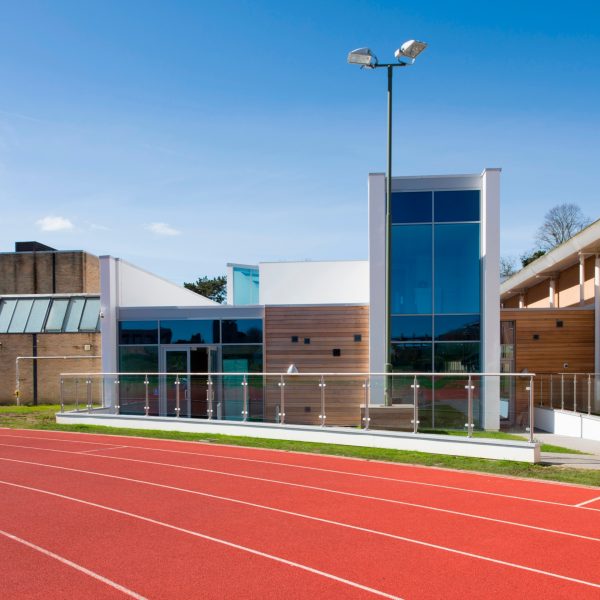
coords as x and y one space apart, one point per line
242 331
74 314
456 328
37 316
455 206
411 358
189 331
411 207
7 309
20 316
138 332
411 328
245 285
56 316
91 314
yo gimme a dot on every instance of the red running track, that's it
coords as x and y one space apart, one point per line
106 516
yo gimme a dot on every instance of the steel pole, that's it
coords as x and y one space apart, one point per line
388 243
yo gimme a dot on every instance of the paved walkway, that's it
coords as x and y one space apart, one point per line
591 460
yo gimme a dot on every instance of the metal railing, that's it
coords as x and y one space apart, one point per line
577 392
421 402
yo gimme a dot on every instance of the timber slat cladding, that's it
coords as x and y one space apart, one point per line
328 328
553 346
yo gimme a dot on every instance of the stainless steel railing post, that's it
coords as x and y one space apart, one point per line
469 424
281 413
209 398
177 399
245 393
551 391
367 418
77 394
574 393
62 395
531 409
322 416
562 391
88 390
146 395
415 421
117 396
589 394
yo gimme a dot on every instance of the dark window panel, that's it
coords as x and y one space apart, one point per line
138 359
411 329
138 332
242 331
411 257
457 357
412 358
189 331
457 328
411 207
454 206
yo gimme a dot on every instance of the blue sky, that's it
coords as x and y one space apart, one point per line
183 135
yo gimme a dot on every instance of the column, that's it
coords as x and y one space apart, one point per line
552 293
581 279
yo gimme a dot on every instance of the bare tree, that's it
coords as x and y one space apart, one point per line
560 224
508 266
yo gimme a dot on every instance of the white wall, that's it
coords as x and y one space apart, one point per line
568 423
318 282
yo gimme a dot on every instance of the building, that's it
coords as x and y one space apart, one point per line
550 318
323 316
49 307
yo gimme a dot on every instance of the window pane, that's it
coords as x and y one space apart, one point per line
457 357
242 331
411 328
456 328
7 308
20 316
138 332
74 314
91 314
411 207
411 358
138 359
459 205
457 268
190 331
242 359
411 269
245 285
37 315
57 314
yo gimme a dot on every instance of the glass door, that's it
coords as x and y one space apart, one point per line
199 389
176 386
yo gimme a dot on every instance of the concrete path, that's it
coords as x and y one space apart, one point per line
591 460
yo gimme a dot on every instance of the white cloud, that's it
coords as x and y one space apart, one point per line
54 224
162 229
97 227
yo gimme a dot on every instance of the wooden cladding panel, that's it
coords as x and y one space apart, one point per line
327 327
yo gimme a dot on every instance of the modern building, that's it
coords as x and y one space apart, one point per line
550 319
49 308
325 316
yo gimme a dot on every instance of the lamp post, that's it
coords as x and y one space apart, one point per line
405 55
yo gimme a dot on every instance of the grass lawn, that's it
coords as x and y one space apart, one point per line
42 417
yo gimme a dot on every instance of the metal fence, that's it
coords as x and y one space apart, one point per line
415 402
578 392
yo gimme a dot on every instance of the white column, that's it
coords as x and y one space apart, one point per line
109 301
552 292
581 279
597 331
521 300
490 288
377 275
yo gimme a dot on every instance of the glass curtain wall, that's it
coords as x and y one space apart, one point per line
435 293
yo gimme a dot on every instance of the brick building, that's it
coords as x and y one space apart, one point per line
49 308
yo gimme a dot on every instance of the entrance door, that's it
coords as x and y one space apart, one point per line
176 386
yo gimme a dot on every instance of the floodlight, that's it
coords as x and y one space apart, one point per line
362 56
410 49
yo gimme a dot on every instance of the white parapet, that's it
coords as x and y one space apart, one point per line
433 444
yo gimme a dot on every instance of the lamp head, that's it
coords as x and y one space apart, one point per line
410 49
363 57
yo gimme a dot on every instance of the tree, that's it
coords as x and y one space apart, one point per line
560 224
214 288
508 266
530 256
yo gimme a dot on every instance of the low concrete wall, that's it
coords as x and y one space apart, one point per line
569 423
435 444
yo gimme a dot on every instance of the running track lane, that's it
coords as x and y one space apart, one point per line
169 500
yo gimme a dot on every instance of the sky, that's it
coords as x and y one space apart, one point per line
182 135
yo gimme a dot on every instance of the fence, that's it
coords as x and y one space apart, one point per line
415 402
577 392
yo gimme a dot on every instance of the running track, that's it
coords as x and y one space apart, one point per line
95 516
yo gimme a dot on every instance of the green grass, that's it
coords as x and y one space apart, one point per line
42 417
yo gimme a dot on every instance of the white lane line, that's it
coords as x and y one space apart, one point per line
305 567
82 569
588 502
217 540
98 449
312 488
323 470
